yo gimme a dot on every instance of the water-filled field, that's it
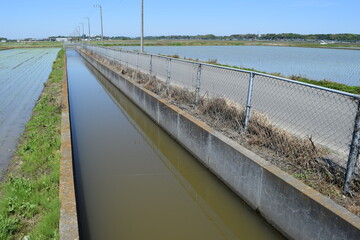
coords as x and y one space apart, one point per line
22 74
338 65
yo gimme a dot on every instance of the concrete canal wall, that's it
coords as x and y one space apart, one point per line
290 206
68 225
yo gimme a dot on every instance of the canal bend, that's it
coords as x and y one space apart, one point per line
133 181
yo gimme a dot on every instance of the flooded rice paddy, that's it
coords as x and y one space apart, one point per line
337 65
133 181
22 74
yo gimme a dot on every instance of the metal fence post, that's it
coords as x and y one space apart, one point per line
168 75
354 152
118 57
127 60
248 102
198 83
150 68
121 57
137 62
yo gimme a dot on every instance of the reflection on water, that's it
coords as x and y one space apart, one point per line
136 182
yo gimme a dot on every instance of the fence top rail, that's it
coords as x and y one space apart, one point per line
356 96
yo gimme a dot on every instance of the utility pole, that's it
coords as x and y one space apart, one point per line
82 31
102 36
89 26
78 30
142 27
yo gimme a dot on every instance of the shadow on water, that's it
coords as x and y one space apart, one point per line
81 203
152 188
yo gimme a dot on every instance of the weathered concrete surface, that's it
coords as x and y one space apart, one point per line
68 215
293 208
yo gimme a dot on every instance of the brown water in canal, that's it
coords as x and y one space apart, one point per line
135 182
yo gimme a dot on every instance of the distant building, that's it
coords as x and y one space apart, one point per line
61 39
322 42
3 41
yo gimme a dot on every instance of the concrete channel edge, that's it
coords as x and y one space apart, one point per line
68 225
293 208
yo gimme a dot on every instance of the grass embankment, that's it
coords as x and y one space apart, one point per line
29 204
40 44
322 83
329 84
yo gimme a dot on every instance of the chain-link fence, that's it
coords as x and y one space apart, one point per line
327 117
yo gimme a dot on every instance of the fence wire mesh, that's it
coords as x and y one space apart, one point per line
218 82
160 68
144 63
325 116
183 74
132 60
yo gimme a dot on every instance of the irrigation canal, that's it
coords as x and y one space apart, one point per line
133 181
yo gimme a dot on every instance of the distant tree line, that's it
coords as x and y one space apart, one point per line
344 37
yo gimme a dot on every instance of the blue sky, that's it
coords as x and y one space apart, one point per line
43 18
